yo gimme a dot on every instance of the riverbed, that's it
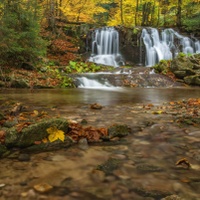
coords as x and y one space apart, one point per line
140 166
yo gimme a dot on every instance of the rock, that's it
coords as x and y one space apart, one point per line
19 83
148 168
43 187
24 157
2 116
172 197
151 193
109 166
192 80
118 131
3 149
96 106
32 133
11 137
187 68
50 146
83 144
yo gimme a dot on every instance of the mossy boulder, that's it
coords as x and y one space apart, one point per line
19 83
118 131
32 133
109 166
3 149
187 68
193 80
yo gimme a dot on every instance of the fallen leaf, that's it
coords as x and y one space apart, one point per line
42 187
55 134
158 112
183 161
96 106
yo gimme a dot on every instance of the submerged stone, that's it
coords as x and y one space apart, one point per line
3 149
148 168
118 131
151 193
109 166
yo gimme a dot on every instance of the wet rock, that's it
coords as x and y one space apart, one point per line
118 131
148 168
2 116
83 144
19 83
32 133
50 146
84 195
98 176
96 106
109 166
187 68
24 157
172 197
60 191
151 193
192 80
3 150
84 122
31 194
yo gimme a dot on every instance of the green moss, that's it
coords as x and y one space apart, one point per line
163 66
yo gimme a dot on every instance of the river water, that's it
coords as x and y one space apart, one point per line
145 167
106 96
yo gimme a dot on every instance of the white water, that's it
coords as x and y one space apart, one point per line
105 47
167 45
92 83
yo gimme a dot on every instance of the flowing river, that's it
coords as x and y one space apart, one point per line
141 166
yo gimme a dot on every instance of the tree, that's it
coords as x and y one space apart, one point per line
20 41
178 21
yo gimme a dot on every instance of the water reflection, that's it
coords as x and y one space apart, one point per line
105 97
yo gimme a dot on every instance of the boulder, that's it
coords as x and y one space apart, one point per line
35 132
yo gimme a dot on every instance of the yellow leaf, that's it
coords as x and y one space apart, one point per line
55 134
158 112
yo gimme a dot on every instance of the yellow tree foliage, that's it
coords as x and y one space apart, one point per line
121 12
82 10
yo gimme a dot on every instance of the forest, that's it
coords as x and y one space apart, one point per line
23 23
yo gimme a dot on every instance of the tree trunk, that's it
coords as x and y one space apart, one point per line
178 15
121 11
136 13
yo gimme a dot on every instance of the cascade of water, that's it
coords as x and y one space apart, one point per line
86 82
105 47
167 46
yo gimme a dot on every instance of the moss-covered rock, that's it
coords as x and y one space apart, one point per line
109 166
50 146
187 68
19 83
157 194
3 149
193 80
11 137
32 133
118 131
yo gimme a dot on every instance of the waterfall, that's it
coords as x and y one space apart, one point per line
167 45
105 47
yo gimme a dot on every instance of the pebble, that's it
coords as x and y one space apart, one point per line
24 157
83 144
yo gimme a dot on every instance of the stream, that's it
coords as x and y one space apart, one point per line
141 166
